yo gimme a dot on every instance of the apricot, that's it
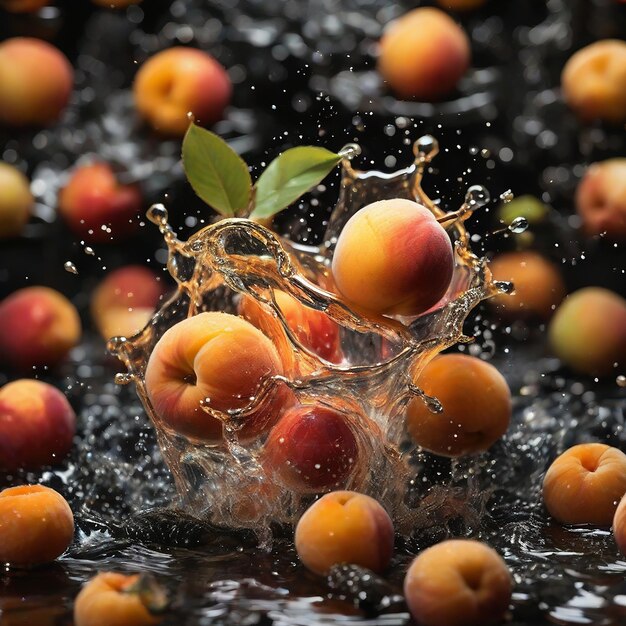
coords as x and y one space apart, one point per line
29 95
178 81
36 525
345 527
423 54
588 331
601 199
461 5
217 357
539 287
311 448
16 201
112 599
22 6
585 484
37 424
96 207
459 582
313 329
594 81
393 257
619 525
476 403
38 326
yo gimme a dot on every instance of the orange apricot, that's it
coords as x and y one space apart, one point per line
619 525
36 525
16 201
585 484
476 403
345 527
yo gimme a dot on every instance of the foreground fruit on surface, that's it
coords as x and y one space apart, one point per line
601 199
216 357
36 525
476 403
423 54
393 257
176 82
345 527
112 599
29 95
459 582
16 201
96 207
619 525
38 326
585 484
539 287
594 81
588 331
311 448
37 425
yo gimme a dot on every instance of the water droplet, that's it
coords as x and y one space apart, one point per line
518 225
70 267
426 148
123 379
350 151
504 286
157 214
621 380
477 196
197 246
89 250
507 196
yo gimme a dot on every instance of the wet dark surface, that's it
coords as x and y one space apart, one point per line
506 128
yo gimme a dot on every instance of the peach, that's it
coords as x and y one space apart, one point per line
38 326
585 484
311 448
22 6
37 424
96 207
393 257
36 525
459 582
594 81
112 599
345 527
476 403
313 329
178 81
29 95
601 199
423 54
16 200
588 331
461 5
539 287
619 525
218 357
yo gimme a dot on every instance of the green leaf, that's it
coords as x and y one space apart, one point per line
289 176
216 172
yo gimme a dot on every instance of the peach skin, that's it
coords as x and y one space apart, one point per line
345 527
36 525
476 404
585 484
459 582
38 326
393 257
619 525
216 357
16 201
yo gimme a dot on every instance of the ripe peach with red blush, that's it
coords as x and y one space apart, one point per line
16 201
459 582
585 484
345 527
594 81
178 81
38 326
29 95
476 403
37 424
601 199
423 54
619 525
97 207
36 525
220 358
393 257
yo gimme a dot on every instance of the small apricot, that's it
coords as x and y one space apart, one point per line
345 527
619 525
585 484
36 525
16 201
393 257
459 582
476 403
